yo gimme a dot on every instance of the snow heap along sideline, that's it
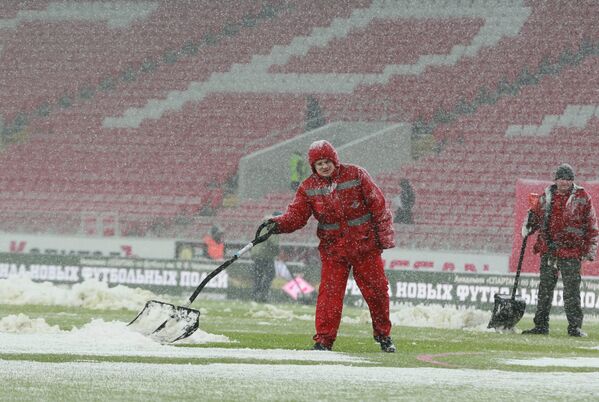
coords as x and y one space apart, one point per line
94 294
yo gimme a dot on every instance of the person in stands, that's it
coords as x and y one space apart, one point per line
404 203
568 235
298 170
263 255
354 226
214 244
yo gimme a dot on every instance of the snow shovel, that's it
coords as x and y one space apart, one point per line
508 310
167 323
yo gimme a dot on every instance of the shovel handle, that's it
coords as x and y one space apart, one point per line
257 239
520 259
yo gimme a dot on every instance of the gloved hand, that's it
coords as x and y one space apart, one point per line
526 229
527 225
589 257
271 226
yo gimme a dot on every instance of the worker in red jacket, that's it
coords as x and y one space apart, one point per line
568 234
354 226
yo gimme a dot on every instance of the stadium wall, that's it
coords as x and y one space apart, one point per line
377 146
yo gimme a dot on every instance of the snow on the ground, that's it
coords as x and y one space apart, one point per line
97 295
100 338
280 378
89 294
436 316
592 362
22 334
21 323
433 316
270 311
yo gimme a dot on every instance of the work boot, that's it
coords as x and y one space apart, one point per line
536 331
386 343
577 332
321 346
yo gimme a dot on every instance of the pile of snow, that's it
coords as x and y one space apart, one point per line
101 338
441 317
95 334
95 294
23 324
407 315
91 294
592 362
270 311
363 318
432 316
117 332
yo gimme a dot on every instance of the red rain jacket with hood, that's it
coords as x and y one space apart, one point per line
567 222
350 209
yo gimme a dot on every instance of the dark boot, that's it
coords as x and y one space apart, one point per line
386 343
536 331
321 346
577 332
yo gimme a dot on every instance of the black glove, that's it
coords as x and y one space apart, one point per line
268 226
271 226
527 225
589 257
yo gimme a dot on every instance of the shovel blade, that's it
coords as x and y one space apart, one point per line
165 322
506 312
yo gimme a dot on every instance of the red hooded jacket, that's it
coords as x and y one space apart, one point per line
571 227
350 209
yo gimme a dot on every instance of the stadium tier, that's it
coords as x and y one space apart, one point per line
54 49
144 110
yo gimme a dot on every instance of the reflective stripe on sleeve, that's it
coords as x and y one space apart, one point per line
348 184
358 221
354 222
328 226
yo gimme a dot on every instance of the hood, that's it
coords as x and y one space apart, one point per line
322 149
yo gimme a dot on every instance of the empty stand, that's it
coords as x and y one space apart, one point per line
466 193
82 167
165 142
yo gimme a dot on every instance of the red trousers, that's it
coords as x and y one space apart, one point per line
369 274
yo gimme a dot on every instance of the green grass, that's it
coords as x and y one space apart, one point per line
246 327
238 321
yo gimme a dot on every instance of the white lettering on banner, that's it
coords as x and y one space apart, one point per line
484 293
499 280
587 299
352 289
8 270
135 276
401 290
558 298
423 291
479 293
412 290
194 278
54 273
41 272
529 295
